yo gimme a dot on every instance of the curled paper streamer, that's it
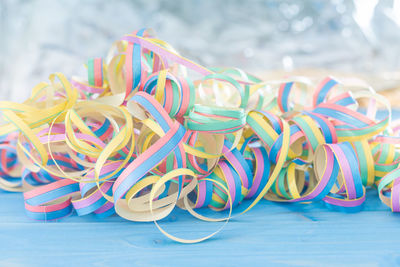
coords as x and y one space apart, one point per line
138 136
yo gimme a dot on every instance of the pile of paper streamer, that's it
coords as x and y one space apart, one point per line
148 130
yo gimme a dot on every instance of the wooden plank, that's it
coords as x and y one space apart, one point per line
284 234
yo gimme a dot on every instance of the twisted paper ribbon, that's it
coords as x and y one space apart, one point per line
138 137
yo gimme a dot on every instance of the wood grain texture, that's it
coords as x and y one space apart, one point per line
273 234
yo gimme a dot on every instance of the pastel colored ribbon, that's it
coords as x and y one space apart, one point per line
138 136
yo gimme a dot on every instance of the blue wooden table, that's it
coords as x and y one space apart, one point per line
270 234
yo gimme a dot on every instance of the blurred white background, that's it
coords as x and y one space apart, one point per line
40 37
